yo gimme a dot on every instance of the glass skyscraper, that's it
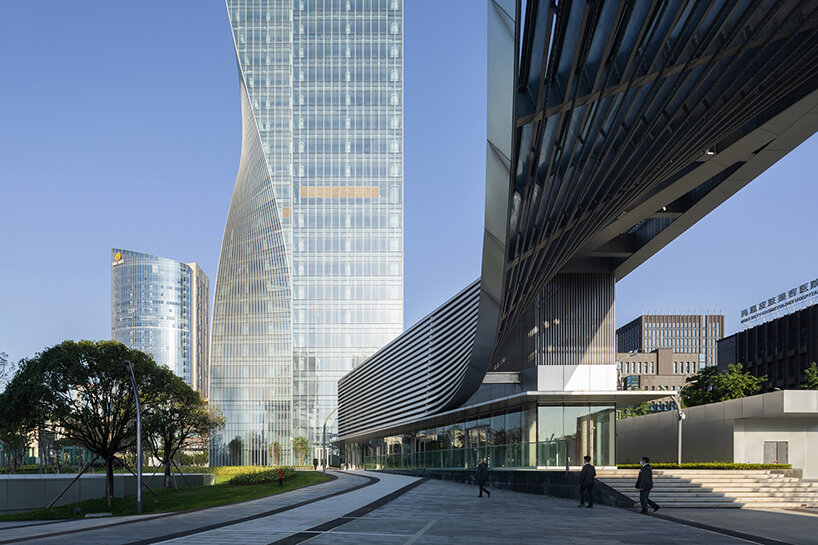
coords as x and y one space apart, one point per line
310 279
162 307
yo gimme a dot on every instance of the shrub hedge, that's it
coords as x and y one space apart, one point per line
266 476
235 470
707 465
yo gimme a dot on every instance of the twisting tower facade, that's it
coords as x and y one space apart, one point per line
310 278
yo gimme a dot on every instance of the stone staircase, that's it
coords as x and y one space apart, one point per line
750 489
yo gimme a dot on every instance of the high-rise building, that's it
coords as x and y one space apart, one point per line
161 306
683 333
310 279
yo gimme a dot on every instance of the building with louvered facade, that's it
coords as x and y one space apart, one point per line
612 128
683 333
310 278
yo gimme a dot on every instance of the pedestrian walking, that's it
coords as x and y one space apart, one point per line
482 477
281 476
315 464
644 483
586 483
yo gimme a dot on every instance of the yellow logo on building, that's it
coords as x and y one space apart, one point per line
118 256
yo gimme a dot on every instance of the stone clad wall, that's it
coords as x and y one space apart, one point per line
25 492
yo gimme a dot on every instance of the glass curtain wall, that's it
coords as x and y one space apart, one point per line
322 81
530 437
151 308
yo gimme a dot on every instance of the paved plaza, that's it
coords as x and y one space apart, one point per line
375 508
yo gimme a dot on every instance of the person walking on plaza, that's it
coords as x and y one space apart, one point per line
315 464
644 483
482 477
586 483
281 476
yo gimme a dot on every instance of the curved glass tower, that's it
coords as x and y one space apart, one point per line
310 278
161 306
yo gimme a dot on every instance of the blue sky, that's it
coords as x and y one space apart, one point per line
120 127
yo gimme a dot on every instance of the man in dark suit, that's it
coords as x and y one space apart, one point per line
644 483
482 477
586 483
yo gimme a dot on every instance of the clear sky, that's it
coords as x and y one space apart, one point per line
120 127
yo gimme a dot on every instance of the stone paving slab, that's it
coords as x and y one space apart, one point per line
435 512
10 530
790 526
443 512
268 529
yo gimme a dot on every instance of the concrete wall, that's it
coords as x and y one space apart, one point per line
801 436
25 492
730 431
706 437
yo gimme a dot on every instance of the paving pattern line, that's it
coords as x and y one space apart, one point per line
760 540
370 481
420 532
310 533
87 528
40 523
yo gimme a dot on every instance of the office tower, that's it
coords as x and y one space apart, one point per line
688 333
310 278
161 306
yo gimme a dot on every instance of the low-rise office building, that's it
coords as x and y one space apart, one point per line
661 370
681 333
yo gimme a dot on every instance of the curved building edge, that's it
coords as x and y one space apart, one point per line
516 288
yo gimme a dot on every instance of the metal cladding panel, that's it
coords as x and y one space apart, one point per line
575 320
415 375
628 122
618 101
571 322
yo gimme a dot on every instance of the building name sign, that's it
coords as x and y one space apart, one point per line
785 302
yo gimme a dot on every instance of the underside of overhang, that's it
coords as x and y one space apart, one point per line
617 398
665 213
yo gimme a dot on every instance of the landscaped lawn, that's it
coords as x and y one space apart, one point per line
168 499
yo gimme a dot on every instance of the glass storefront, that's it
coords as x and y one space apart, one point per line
532 436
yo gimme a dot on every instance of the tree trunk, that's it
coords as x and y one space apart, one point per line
109 479
166 463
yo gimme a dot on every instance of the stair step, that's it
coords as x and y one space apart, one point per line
672 505
723 489
719 497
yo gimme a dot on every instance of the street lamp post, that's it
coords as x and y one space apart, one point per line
138 440
680 416
326 453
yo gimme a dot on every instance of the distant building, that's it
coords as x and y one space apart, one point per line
681 333
782 349
162 307
659 370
